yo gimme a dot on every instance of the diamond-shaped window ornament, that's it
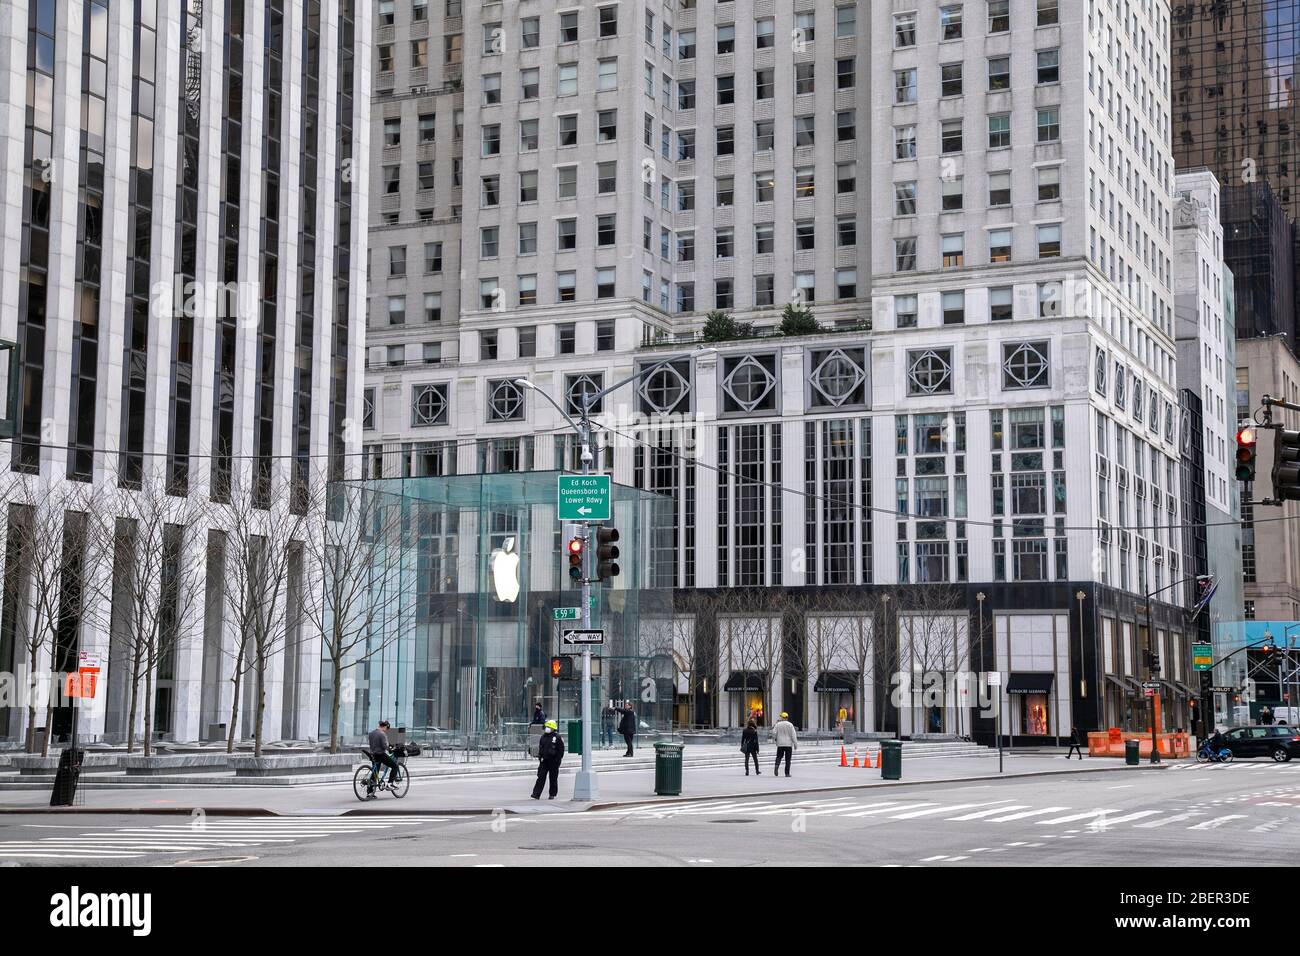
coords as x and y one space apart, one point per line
749 383
1024 365
505 402
429 405
929 371
581 386
837 377
664 389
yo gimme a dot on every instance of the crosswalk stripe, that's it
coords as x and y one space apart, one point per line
795 807
980 814
1027 813
1074 816
1163 821
913 814
1141 814
1217 822
886 808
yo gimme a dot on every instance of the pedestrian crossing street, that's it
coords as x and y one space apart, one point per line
197 835
1262 816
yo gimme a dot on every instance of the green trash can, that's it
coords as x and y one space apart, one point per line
668 769
1131 753
575 737
891 760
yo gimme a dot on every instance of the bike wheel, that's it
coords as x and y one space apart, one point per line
361 783
403 786
1202 757
1226 756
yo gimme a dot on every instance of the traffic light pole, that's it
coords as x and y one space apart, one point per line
585 787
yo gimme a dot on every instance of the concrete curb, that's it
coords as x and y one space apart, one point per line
398 810
146 811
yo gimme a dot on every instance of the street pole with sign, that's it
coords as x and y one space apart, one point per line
995 680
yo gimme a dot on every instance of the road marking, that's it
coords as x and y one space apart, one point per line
1176 818
978 814
1074 816
1217 822
1028 813
1132 816
933 859
888 809
805 805
913 814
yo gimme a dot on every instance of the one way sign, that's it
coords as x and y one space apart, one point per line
579 638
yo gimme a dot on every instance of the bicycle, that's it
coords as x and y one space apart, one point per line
1207 755
373 779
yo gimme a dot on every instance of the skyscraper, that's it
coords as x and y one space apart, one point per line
184 210
1234 96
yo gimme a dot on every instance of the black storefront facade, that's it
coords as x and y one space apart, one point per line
1094 683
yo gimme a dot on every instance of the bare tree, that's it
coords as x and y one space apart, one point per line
829 644
158 576
262 533
61 538
934 639
356 547
753 634
687 660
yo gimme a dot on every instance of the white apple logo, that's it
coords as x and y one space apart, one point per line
505 571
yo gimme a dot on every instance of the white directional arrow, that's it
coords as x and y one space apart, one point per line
584 511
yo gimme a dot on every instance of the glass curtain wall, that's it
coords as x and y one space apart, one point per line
465 573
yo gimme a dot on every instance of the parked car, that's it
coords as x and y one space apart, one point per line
1259 740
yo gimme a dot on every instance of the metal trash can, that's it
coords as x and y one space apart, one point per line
668 768
575 737
891 760
1131 753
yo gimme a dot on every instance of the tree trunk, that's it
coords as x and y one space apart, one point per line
335 704
134 706
261 703
49 722
150 664
237 680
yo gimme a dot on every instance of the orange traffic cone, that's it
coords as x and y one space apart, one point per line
855 757
867 763
844 758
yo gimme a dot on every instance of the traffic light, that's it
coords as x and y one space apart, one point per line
575 560
562 667
1247 439
607 553
1286 465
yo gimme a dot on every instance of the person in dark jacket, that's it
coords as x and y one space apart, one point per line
539 715
379 751
749 746
550 751
1266 716
1074 744
607 725
627 726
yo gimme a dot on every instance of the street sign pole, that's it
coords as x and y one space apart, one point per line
585 786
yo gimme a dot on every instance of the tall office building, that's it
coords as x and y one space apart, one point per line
976 202
185 203
1234 96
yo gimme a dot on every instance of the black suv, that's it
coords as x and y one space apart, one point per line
1274 740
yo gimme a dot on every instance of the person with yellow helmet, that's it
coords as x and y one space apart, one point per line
550 751
787 740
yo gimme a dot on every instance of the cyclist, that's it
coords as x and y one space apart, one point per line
379 751
1217 744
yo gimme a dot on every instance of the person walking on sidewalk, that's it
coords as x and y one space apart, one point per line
787 741
627 726
550 751
1074 744
749 746
607 724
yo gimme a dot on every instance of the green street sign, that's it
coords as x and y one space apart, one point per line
567 613
583 497
1202 657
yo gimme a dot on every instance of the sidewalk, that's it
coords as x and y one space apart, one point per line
485 794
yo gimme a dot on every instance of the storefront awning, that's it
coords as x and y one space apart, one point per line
1121 683
745 680
1185 689
1169 686
836 682
1026 683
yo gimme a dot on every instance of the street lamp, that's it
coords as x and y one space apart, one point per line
1080 596
585 786
1153 669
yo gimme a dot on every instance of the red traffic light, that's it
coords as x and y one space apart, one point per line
575 546
1247 436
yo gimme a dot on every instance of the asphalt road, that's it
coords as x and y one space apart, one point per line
1246 813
